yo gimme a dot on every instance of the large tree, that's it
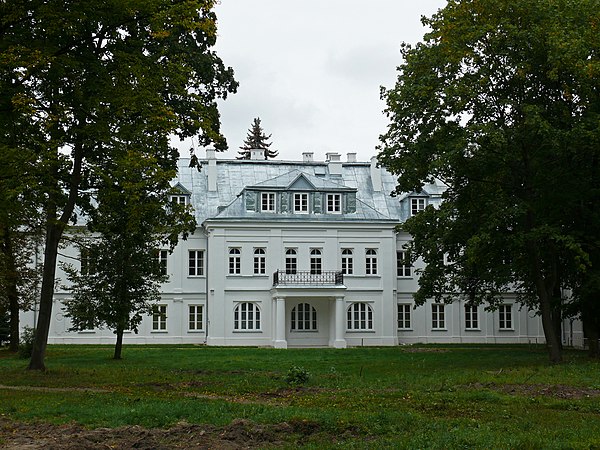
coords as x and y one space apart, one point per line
80 72
120 278
257 139
501 103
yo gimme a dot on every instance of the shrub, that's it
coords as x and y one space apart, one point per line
297 376
26 342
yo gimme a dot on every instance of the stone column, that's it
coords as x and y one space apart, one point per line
280 341
339 342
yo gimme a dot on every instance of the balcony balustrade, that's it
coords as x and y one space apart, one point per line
308 278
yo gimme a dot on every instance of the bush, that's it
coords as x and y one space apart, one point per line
297 376
26 343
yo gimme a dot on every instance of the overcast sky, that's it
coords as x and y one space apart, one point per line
312 70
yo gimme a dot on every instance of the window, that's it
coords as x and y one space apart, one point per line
267 201
347 261
438 320
471 317
334 203
360 317
159 318
371 261
235 261
417 205
404 267
260 261
195 317
315 261
291 261
246 316
88 266
195 263
179 199
301 203
404 316
505 313
304 317
161 261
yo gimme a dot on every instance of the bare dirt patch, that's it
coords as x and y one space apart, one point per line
542 390
239 434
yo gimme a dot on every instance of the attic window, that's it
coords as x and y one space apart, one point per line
180 199
417 205
267 203
301 203
334 203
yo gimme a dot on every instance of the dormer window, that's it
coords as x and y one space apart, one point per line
267 201
334 203
301 203
417 205
180 199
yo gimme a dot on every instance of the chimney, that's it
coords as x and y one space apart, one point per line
211 171
307 156
351 157
376 175
257 153
334 163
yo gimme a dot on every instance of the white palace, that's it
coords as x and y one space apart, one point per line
300 254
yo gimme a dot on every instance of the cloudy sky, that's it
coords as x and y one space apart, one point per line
312 70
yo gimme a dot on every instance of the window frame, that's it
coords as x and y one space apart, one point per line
195 263
371 261
196 318
291 261
301 202
159 318
259 261
438 316
303 318
177 199
234 261
241 317
316 261
471 317
333 203
403 270
417 204
347 261
404 316
505 323
162 257
271 202
357 315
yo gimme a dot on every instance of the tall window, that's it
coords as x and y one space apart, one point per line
304 317
438 316
235 261
334 203
87 261
267 201
315 261
246 316
404 267
371 261
291 260
404 316
195 263
471 317
360 317
417 205
260 261
301 202
161 260
505 314
347 261
195 313
159 318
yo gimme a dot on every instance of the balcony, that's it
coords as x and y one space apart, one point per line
324 278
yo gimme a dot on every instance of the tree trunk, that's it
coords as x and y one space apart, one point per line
119 343
552 340
591 329
12 293
38 354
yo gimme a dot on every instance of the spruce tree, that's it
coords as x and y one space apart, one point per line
257 139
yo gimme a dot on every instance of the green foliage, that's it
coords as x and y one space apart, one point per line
257 139
297 376
26 342
501 103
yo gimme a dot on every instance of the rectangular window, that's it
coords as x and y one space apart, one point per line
404 267
417 205
179 199
260 261
471 317
347 261
404 316
438 320
195 317
159 318
334 203
161 260
301 203
195 263
87 261
235 261
505 315
267 201
371 261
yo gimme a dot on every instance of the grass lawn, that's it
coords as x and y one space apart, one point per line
398 397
